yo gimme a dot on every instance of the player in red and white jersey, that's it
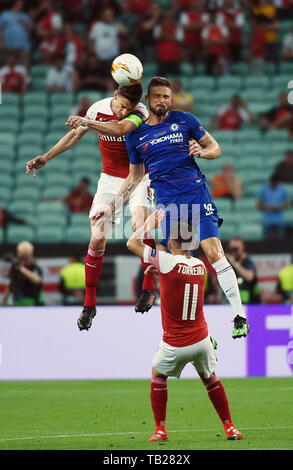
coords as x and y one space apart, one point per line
185 331
112 117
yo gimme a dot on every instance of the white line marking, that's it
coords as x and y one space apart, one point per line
64 436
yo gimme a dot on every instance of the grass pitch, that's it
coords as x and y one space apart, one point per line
117 415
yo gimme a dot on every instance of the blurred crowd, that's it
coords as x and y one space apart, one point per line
80 38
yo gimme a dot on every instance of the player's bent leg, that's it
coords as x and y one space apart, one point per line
148 293
218 397
214 252
93 268
159 397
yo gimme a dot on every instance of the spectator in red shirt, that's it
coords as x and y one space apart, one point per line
233 18
215 41
14 77
230 117
279 117
169 38
49 31
71 45
257 48
192 21
79 199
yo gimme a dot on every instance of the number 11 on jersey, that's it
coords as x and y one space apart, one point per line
189 308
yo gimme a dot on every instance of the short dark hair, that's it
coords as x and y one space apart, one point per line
158 81
181 233
132 93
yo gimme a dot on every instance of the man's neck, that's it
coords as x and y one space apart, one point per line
154 119
181 253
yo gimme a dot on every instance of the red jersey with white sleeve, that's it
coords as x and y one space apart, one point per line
113 149
182 284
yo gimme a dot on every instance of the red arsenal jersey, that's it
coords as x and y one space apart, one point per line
113 149
182 283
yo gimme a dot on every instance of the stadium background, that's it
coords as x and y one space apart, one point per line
44 343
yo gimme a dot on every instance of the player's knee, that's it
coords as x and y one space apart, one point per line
97 244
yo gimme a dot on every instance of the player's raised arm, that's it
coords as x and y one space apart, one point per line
135 242
205 147
116 129
65 143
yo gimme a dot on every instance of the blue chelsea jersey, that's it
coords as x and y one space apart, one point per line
164 150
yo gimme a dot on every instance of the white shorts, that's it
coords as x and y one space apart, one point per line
109 186
170 360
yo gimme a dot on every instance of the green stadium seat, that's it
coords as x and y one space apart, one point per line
55 192
277 136
257 82
252 189
7 152
150 69
34 124
253 95
79 219
39 83
289 188
39 70
227 231
28 193
32 137
49 234
9 112
9 125
6 180
252 135
232 82
28 151
223 205
7 139
6 166
224 136
60 110
61 98
286 67
58 179
51 207
52 138
200 96
86 165
222 96
77 234
58 164
53 220
251 231
258 108
27 181
18 233
35 98
186 69
245 204
57 124
10 99
5 193
1 235
288 216
280 82
240 68
203 82
93 96
35 111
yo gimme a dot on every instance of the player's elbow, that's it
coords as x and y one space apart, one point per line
130 245
218 151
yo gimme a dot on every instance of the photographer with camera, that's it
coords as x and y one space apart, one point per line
25 277
245 271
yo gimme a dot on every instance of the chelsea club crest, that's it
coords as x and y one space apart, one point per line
174 127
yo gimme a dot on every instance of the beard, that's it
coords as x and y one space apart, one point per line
159 110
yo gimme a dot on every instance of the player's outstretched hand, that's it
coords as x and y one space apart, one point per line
194 148
35 164
151 269
75 121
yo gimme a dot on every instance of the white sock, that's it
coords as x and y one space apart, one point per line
228 282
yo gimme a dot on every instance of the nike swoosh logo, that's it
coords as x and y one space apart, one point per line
141 138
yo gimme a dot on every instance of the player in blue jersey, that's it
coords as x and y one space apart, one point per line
166 145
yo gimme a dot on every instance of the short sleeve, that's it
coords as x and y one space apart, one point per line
134 156
162 260
196 129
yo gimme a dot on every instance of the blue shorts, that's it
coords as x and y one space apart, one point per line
196 207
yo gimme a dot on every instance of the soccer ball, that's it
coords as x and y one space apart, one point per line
126 69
